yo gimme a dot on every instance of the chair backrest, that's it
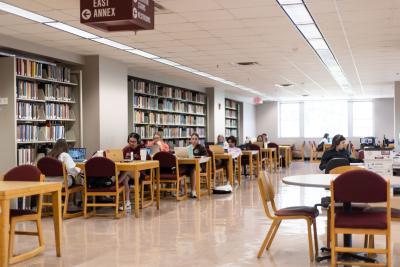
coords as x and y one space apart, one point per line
260 144
343 169
24 173
336 162
115 155
100 167
361 154
254 147
273 145
165 159
51 167
266 192
360 186
216 149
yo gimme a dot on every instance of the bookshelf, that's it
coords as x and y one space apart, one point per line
177 112
43 105
232 118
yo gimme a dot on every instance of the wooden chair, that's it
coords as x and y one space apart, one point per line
25 173
170 174
52 167
299 152
277 154
313 152
98 168
360 186
309 214
343 169
216 171
261 160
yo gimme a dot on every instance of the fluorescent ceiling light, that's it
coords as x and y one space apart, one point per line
70 29
186 69
112 43
290 2
230 83
166 62
203 74
318 44
298 13
310 31
142 53
24 13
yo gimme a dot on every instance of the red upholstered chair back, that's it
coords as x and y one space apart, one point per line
165 159
23 173
360 186
254 147
50 166
99 167
361 154
273 145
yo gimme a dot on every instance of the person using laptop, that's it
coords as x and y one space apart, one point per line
158 143
133 147
198 151
60 152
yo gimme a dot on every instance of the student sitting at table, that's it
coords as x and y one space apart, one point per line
260 138
133 147
232 148
322 142
265 136
198 150
158 143
221 141
337 150
60 152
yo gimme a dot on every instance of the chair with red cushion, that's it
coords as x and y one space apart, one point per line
52 167
360 186
25 173
309 214
170 174
98 168
277 154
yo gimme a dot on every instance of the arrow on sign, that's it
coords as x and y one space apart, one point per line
135 13
86 14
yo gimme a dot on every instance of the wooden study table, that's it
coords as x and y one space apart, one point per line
230 158
269 151
288 154
250 154
196 162
134 168
12 190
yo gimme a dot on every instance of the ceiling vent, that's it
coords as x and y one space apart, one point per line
248 63
160 9
282 85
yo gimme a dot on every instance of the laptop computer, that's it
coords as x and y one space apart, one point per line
184 152
115 155
77 154
216 149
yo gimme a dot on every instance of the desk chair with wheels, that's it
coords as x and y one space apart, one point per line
25 173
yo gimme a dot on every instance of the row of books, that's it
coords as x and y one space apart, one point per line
230 104
159 118
29 111
57 92
166 105
26 156
230 123
231 113
34 69
58 111
166 91
27 90
148 131
231 132
34 133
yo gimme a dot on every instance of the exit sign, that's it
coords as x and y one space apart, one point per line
118 15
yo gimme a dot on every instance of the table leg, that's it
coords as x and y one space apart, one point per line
197 175
287 158
230 164
158 187
258 164
209 176
4 231
251 165
136 180
56 201
239 163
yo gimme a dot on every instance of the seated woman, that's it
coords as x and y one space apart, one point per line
133 147
60 152
198 150
337 150
232 148
158 143
322 142
221 141
260 138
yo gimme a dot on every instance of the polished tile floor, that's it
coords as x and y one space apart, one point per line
221 230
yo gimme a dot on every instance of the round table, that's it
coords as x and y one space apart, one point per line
323 180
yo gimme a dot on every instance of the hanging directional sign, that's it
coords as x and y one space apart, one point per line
118 15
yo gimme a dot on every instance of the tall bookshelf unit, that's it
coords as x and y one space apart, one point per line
232 118
176 112
43 105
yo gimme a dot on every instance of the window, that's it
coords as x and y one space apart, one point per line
289 123
363 119
325 117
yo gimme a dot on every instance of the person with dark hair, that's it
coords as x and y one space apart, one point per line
322 142
260 138
198 151
133 147
337 150
265 136
232 149
60 152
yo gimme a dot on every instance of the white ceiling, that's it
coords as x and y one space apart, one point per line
213 35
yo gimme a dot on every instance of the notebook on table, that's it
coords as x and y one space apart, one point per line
78 154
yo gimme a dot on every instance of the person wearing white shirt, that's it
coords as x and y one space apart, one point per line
322 142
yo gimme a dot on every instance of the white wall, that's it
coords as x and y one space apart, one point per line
249 120
267 121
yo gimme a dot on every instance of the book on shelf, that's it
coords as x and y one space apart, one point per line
27 90
57 111
30 111
148 131
27 133
231 113
168 119
26 156
34 69
51 132
58 92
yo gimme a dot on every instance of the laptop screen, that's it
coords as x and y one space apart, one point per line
77 153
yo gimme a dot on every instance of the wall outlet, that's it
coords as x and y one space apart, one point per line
3 100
